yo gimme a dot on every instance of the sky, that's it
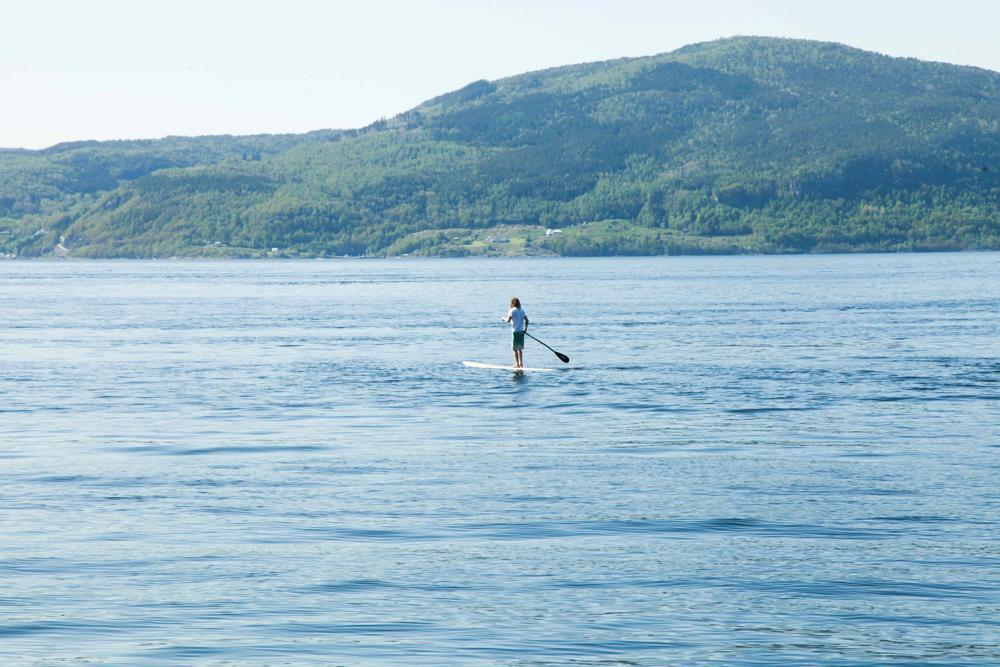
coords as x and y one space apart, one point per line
114 69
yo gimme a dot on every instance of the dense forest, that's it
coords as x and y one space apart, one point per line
738 145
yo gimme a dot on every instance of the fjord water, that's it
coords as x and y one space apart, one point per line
749 460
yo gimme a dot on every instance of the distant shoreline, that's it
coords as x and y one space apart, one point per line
402 258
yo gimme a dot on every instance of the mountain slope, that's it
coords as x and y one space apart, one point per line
743 144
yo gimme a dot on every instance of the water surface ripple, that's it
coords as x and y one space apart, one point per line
749 461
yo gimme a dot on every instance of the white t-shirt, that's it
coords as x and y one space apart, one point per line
516 317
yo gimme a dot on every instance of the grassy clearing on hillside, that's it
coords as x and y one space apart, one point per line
498 241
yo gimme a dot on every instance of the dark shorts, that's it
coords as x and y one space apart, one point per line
518 343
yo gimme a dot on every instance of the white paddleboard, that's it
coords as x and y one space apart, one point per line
476 364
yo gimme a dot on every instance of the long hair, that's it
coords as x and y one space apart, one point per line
515 302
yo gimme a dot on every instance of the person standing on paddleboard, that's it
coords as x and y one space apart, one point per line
518 321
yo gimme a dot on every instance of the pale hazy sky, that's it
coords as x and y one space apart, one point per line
116 69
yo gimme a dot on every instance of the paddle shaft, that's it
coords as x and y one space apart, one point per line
562 357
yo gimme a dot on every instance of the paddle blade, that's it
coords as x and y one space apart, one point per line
562 357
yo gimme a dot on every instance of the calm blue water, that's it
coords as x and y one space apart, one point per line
750 460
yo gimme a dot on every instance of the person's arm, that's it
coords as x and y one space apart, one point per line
525 322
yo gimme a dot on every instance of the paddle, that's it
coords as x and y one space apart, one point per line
562 357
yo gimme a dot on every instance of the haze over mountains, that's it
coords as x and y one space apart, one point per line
737 145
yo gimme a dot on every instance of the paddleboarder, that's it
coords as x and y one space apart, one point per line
518 321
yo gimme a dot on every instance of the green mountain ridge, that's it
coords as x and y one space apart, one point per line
747 144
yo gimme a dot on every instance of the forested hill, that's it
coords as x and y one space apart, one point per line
738 145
